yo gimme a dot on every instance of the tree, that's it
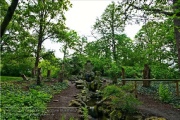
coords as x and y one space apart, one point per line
40 17
8 16
155 45
69 42
154 10
156 41
124 50
108 26
17 50
80 46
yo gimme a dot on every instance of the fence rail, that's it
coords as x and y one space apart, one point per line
176 81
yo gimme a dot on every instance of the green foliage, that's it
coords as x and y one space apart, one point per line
45 65
85 113
113 70
108 26
63 117
17 66
120 98
115 115
8 78
133 71
162 71
128 87
164 93
155 44
23 105
19 104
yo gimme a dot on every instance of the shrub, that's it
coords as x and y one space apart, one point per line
120 99
164 93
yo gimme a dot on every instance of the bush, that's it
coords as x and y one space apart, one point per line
132 72
45 65
120 98
17 67
164 93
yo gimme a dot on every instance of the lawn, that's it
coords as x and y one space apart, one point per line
9 78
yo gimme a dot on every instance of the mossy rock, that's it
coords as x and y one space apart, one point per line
79 82
93 87
74 103
115 115
79 86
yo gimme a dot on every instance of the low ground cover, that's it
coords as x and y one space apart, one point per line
20 103
163 91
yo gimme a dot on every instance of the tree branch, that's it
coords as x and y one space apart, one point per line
154 10
8 17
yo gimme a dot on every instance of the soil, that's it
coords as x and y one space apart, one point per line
153 107
59 107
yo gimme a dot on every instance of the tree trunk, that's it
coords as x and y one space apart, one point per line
37 62
8 16
65 51
33 73
48 73
177 29
39 77
24 77
113 38
146 75
38 53
40 41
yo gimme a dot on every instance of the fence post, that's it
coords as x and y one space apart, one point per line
123 76
135 89
146 75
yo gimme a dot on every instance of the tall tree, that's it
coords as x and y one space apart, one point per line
80 46
155 45
70 40
109 25
124 50
156 41
155 10
40 17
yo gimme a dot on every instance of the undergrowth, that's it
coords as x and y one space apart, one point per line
18 104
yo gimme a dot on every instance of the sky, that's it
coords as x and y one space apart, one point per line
81 18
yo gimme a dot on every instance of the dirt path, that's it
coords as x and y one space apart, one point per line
152 107
58 107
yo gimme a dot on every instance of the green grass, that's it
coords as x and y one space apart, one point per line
10 78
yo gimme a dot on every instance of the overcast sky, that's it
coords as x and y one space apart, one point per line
81 18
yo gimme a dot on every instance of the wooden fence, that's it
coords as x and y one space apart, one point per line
176 81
